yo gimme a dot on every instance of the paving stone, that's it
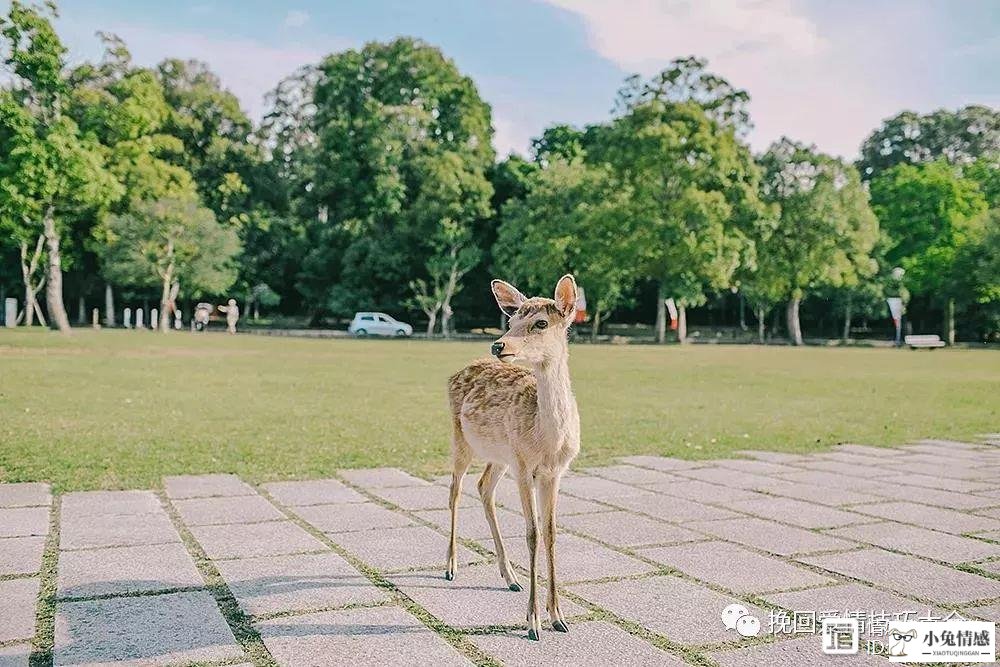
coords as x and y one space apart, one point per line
306 582
149 630
692 489
886 452
850 482
244 509
935 482
631 475
938 467
909 575
477 597
683 611
733 567
663 463
625 529
993 495
792 653
364 637
117 531
17 609
313 492
402 548
341 517
21 555
948 499
24 521
25 494
670 508
797 512
577 559
737 479
987 612
815 494
774 457
106 503
205 486
869 463
123 570
755 467
255 539
420 497
991 535
591 643
851 468
472 522
852 597
948 521
596 488
951 444
508 496
15 655
381 478
920 541
772 537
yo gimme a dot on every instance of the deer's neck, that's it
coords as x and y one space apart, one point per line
557 415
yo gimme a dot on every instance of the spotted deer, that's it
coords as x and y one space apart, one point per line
521 418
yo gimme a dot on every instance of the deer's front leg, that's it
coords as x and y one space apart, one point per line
548 494
525 485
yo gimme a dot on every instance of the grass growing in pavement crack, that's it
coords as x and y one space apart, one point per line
45 611
238 621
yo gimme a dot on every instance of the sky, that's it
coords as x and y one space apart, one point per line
817 71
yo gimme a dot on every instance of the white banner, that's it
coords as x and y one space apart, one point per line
672 310
895 308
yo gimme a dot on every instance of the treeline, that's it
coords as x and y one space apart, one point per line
372 184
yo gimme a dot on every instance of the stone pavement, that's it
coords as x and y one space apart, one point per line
212 570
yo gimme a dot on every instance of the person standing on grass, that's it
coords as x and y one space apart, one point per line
232 312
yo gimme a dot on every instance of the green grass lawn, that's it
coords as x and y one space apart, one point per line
121 409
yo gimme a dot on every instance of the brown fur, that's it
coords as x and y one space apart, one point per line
522 419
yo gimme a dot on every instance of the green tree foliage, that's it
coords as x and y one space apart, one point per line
168 243
929 212
826 230
574 218
959 137
50 171
387 118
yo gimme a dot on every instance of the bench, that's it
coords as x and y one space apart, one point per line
924 341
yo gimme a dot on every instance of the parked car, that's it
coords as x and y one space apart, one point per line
378 324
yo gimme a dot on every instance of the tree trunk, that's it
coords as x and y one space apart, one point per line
743 312
682 323
81 311
792 317
109 306
53 287
431 322
760 325
949 322
31 307
661 314
164 323
595 326
847 321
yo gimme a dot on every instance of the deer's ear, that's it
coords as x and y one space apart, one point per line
566 295
508 297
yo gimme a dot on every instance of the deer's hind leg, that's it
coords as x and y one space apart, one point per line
461 458
487 493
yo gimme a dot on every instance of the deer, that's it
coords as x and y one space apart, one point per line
520 417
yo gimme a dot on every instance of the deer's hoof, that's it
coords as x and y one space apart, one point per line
449 575
516 587
560 626
533 635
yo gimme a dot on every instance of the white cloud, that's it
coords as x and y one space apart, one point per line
247 68
805 80
296 18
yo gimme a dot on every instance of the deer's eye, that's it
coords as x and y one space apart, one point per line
541 324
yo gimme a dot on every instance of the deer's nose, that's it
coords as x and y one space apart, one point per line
497 348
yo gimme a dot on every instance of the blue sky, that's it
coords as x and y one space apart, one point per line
818 71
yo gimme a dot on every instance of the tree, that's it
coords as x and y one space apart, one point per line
51 170
169 243
959 137
826 229
977 267
574 218
695 192
928 211
383 114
